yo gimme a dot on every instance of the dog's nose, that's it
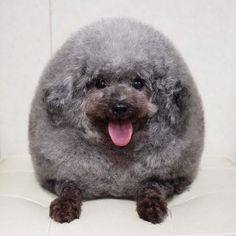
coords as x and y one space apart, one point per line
119 109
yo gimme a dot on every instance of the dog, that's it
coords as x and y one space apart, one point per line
116 114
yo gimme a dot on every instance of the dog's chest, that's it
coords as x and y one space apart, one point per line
116 179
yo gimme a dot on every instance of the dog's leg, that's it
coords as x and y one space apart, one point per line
151 205
67 206
152 197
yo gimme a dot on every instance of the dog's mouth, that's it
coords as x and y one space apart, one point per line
120 132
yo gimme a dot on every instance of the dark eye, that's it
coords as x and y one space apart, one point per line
100 83
138 84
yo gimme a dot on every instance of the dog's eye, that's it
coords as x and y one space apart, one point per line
100 83
138 84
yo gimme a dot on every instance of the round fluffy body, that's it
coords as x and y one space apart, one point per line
72 108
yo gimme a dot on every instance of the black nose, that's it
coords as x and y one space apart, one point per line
119 109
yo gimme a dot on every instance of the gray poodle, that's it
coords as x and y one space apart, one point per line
116 114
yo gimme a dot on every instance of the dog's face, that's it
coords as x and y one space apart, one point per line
118 102
113 87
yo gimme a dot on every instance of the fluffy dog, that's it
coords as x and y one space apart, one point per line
116 114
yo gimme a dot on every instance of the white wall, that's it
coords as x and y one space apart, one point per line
203 30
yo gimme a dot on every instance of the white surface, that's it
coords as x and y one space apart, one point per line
209 208
203 30
24 50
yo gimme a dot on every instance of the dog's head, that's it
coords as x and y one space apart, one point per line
115 78
119 100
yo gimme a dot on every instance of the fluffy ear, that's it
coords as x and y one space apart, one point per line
178 103
173 99
181 96
56 99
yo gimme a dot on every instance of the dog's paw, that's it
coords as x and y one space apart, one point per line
152 207
65 209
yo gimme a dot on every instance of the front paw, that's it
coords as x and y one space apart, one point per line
64 209
152 207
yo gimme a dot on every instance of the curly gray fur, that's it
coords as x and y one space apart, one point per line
67 131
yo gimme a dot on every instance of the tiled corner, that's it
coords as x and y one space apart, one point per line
24 50
203 31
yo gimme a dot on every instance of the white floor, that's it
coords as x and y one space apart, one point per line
208 208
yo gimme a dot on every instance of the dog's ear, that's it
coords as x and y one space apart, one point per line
173 100
181 96
56 98
178 103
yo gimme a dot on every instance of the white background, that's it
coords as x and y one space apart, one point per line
204 31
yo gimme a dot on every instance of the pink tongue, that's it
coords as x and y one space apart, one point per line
120 132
